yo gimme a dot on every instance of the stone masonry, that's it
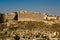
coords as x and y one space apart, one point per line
25 16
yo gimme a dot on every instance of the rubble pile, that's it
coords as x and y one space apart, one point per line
29 31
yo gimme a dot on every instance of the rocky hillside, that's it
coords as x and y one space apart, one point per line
29 30
27 25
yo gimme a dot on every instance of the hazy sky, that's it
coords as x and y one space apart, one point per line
47 6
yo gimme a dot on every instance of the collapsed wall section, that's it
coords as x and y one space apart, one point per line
12 16
8 16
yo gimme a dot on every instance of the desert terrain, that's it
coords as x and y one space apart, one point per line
27 25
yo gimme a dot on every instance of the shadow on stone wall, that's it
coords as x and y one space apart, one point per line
16 16
1 18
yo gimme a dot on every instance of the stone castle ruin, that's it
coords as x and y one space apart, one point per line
8 16
25 16
28 28
22 16
30 16
12 16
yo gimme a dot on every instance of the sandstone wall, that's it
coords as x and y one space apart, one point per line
11 16
26 16
30 16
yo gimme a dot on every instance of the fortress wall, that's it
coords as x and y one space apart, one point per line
25 16
29 16
10 16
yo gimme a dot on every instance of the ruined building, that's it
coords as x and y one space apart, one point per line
12 16
22 16
30 16
25 16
